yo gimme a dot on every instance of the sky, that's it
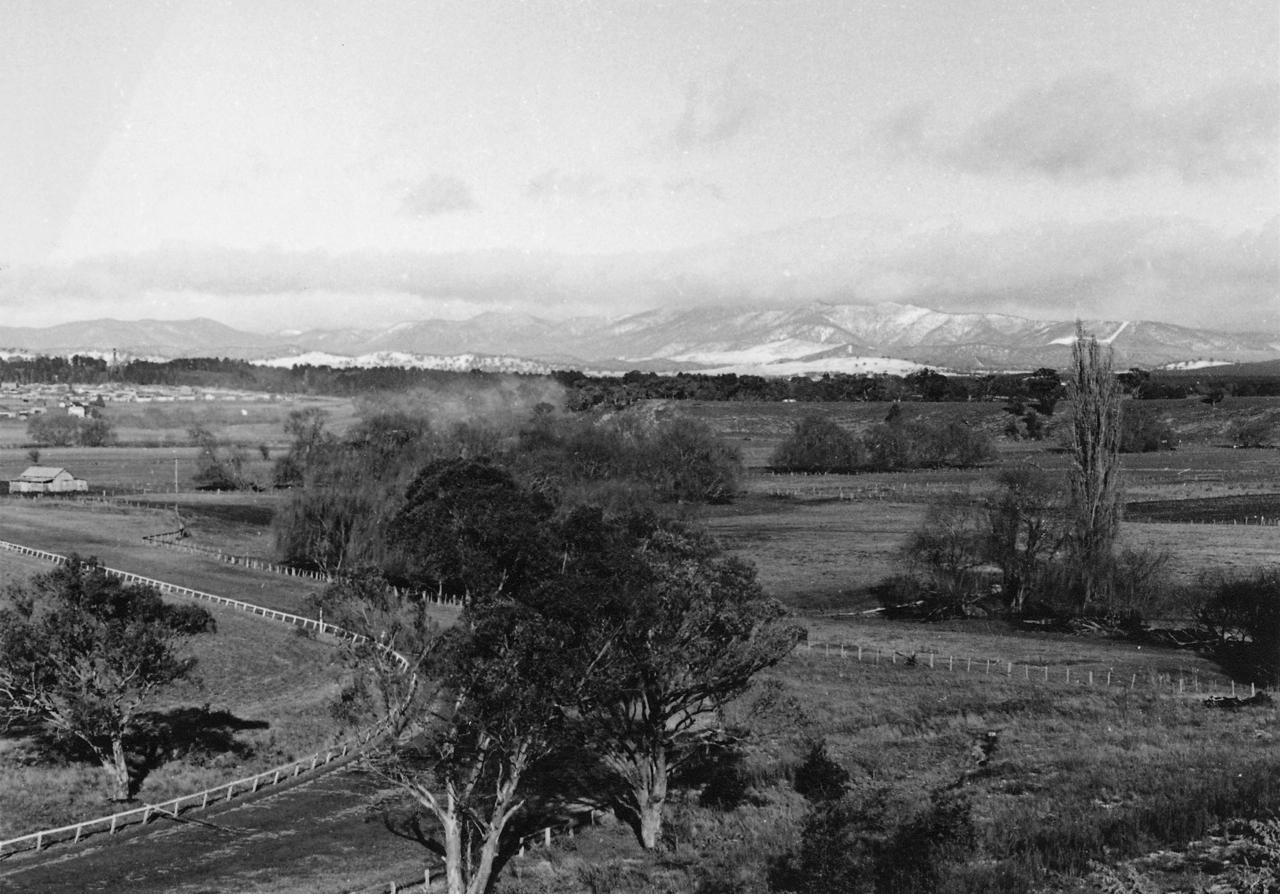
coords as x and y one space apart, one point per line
293 164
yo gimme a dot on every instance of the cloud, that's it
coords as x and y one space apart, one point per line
1163 269
715 112
436 195
1098 127
557 185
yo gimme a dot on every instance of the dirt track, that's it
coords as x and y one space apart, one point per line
320 836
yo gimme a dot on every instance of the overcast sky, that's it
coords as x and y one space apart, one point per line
299 163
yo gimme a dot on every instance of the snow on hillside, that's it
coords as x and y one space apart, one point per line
453 363
1194 364
769 352
849 365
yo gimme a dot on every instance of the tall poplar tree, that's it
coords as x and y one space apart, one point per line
1095 475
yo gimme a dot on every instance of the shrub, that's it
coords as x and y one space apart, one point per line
1142 431
818 777
1250 433
817 444
1243 618
53 429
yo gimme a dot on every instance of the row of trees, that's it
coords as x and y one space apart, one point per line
65 430
346 490
817 444
588 390
590 663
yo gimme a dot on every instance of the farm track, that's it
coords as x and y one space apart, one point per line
320 828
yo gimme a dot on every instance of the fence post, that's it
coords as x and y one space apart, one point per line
547 836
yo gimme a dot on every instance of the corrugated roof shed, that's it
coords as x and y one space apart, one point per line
41 473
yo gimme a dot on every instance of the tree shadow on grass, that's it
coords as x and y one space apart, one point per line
187 732
194 733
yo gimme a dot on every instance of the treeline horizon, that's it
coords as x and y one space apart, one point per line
588 390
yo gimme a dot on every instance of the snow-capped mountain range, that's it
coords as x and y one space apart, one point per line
792 340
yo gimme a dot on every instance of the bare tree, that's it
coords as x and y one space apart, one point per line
1024 532
1095 477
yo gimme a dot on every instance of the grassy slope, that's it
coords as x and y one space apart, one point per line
272 681
260 671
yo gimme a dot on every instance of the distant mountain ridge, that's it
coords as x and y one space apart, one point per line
760 340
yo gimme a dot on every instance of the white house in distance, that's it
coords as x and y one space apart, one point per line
46 480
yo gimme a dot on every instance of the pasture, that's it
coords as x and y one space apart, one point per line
1083 774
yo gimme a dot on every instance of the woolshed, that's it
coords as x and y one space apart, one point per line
46 480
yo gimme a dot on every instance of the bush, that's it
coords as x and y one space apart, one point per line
818 777
817 444
1142 431
1250 433
96 432
53 429
684 461
852 841
1243 618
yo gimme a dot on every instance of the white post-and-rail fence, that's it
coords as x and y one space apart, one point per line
1184 683
224 791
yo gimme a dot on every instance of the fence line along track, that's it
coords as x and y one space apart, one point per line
224 791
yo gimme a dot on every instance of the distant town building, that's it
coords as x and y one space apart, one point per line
46 480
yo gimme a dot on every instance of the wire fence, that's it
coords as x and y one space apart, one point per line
432 876
1181 682
222 792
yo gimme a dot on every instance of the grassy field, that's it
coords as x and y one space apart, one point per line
1081 775
248 423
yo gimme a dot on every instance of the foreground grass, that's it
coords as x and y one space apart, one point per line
1081 777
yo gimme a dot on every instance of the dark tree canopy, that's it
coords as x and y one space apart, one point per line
468 528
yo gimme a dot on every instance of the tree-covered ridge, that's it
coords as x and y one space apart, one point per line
590 390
